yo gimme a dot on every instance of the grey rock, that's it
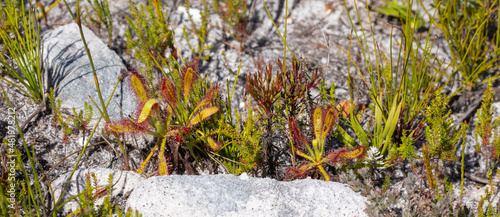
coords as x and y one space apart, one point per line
70 73
124 181
228 195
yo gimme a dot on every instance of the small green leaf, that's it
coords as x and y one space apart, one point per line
146 110
139 88
203 115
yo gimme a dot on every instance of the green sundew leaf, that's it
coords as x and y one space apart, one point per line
146 110
213 145
318 123
203 115
188 82
139 88
120 128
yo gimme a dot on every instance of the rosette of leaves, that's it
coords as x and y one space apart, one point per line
170 114
313 152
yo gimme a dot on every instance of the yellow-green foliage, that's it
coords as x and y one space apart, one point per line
233 13
397 10
244 144
467 27
149 36
99 17
407 149
81 120
200 32
487 134
91 193
441 141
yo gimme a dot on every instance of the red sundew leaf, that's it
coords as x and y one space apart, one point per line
356 153
330 119
344 154
336 156
128 126
299 171
209 97
296 133
118 128
188 80
169 92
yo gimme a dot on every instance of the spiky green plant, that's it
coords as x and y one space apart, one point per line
400 88
87 199
20 34
473 35
200 32
441 140
81 119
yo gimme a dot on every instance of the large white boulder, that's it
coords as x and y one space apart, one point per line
228 195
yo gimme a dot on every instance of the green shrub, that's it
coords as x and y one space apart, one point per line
149 35
487 133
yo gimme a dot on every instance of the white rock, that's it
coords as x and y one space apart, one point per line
244 176
195 13
228 195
